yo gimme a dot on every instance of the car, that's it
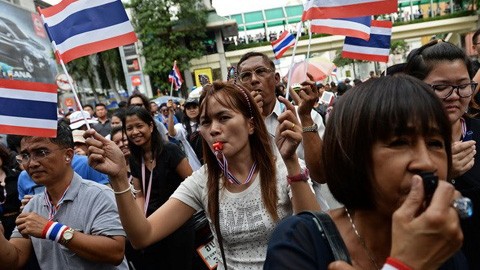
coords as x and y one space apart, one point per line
21 51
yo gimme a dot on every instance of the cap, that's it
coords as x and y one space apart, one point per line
191 101
76 119
78 136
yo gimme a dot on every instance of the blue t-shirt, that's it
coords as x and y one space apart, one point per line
26 186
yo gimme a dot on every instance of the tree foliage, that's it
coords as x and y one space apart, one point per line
169 30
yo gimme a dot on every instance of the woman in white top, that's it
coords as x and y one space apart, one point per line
242 208
187 132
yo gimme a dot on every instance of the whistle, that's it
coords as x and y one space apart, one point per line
217 146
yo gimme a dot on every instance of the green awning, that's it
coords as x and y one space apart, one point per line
252 17
274 13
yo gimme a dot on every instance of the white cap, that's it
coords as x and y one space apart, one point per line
77 120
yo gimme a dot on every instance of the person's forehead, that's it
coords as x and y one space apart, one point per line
253 63
32 143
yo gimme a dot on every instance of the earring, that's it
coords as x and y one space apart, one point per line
67 159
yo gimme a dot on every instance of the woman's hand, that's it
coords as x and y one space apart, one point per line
104 155
425 240
289 131
463 154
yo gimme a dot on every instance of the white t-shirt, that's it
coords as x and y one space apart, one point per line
245 223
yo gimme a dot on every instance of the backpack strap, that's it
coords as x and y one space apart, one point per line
329 231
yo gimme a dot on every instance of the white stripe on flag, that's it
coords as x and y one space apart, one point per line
74 8
27 122
94 36
365 50
341 24
28 95
381 31
336 3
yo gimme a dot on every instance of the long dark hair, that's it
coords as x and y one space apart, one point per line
235 97
156 141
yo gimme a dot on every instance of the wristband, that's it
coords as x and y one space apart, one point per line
302 177
54 231
394 264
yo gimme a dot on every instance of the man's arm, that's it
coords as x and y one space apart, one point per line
94 248
14 253
98 248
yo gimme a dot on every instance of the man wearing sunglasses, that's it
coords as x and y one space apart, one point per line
256 72
74 224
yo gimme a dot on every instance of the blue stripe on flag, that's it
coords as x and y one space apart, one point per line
28 108
365 20
376 41
88 20
284 43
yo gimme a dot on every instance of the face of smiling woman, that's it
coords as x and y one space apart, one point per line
138 132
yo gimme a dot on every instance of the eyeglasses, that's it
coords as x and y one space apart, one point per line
463 90
37 155
246 76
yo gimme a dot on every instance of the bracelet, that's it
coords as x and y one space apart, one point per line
54 231
395 264
124 191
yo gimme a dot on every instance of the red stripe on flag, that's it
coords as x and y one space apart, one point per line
350 11
29 86
339 31
48 12
28 131
384 24
98 46
364 56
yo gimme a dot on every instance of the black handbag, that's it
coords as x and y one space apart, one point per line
329 231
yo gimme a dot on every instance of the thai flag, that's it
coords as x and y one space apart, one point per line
352 27
84 27
28 108
327 9
281 45
375 49
175 77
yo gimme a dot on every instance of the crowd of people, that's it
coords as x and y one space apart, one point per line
245 165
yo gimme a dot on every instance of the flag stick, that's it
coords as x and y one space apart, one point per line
308 48
69 79
293 59
171 88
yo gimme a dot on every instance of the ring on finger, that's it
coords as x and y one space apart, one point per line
463 206
293 126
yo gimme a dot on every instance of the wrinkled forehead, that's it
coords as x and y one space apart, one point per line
29 143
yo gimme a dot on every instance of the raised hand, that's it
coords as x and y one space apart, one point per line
289 131
463 154
104 155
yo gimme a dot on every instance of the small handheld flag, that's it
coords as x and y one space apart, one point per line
376 49
175 77
28 108
84 27
282 44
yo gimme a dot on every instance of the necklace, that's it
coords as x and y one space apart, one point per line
362 241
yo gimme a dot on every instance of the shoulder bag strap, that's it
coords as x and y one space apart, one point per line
327 228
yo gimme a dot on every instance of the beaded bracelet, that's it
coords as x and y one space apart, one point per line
130 188
395 264
53 231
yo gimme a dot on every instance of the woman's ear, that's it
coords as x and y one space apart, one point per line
69 155
251 126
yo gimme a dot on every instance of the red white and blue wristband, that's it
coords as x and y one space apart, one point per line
394 264
54 231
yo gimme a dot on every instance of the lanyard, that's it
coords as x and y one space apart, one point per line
53 209
146 190
464 127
